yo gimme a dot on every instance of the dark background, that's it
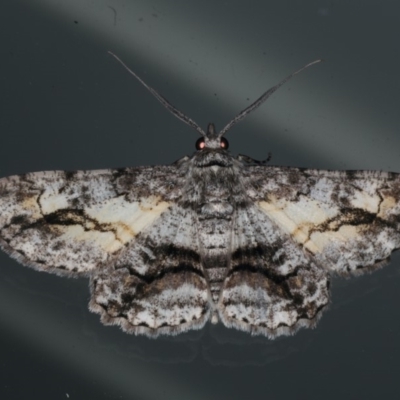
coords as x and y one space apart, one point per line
66 104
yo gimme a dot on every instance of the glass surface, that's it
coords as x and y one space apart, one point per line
67 105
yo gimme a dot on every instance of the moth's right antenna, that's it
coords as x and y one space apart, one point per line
173 110
261 99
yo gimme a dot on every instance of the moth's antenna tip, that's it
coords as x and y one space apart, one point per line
311 63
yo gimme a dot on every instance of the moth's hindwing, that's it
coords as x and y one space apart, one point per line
272 287
156 284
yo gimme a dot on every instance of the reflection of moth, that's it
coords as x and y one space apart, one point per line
211 236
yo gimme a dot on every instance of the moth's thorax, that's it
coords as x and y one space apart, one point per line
212 157
212 178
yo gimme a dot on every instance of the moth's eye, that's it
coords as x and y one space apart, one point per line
224 143
200 144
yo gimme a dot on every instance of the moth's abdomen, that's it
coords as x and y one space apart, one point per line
215 239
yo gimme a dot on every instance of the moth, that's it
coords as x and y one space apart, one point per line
211 237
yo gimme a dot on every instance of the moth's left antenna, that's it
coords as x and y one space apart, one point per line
261 99
173 110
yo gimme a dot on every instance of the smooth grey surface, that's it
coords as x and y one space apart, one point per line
66 104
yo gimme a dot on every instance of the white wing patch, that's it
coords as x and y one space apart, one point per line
365 201
320 240
313 223
299 218
388 207
108 225
51 202
126 219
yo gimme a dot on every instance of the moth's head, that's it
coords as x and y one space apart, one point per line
212 140
212 150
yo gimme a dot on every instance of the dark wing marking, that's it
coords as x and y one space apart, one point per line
272 287
156 284
349 221
70 223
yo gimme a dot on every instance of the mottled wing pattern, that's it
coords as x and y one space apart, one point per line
133 232
156 284
272 287
348 221
122 228
70 223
